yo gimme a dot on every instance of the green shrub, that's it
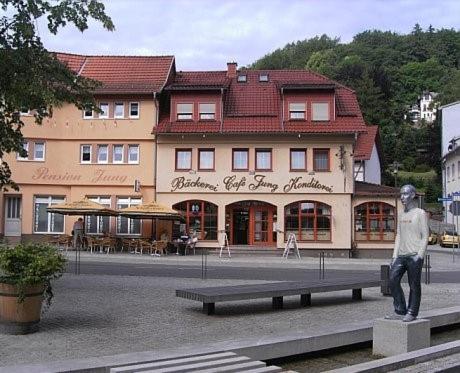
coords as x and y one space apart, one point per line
422 168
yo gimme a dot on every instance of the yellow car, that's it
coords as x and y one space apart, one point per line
433 238
449 238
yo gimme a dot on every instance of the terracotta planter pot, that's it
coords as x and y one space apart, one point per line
20 318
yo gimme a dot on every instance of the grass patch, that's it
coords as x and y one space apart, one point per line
430 175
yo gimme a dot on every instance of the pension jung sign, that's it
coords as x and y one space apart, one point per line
255 183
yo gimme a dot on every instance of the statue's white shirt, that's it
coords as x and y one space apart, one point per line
412 233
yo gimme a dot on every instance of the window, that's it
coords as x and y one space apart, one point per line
242 79
359 170
298 159
320 111
458 169
206 159
119 110
134 109
183 159
24 111
86 151
308 220
45 222
98 224
200 218
104 107
297 110
374 221
133 153
127 225
118 153
88 113
448 173
184 111
240 159
263 77
25 146
39 151
263 159
453 171
207 111
102 154
321 160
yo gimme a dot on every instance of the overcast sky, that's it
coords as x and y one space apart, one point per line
206 34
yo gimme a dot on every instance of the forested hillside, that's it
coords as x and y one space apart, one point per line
388 71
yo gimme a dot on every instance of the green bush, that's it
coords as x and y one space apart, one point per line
31 264
422 168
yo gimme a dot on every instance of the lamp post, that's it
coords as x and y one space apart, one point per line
396 166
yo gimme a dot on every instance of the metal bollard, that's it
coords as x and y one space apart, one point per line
321 265
385 278
427 269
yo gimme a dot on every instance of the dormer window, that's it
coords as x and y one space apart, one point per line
297 110
242 78
263 77
184 111
320 111
207 111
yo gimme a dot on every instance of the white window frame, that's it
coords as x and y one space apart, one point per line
101 115
313 112
130 201
25 145
90 153
138 153
242 78
25 113
122 153
186 115
44 151
291 111
49 201
99 147
138 109
88 116
103 201
122 104
207 150
263 77
207 115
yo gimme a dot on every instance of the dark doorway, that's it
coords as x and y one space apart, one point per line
240 227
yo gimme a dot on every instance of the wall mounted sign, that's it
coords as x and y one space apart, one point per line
255 183
99 176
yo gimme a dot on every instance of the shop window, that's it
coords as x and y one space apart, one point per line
102 154
98 224
118 153
308 221
240 159
207 111
104 108
374 221
183 159
133 153
298 159
184 111
200 218
321 160
320 111
126 225
263 159
85 153
44 221
206 158
134 109
119 110
297 110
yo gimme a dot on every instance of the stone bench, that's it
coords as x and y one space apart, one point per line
275 290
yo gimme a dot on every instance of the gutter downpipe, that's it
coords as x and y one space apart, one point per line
282 109
221 110
352 212
155 164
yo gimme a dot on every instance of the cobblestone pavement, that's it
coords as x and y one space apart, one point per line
95 315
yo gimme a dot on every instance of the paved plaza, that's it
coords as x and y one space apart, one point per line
98 315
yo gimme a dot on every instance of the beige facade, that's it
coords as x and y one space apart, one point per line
121 150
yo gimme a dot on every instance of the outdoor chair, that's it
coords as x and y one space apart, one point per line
147 245
109 243
93 243
191 244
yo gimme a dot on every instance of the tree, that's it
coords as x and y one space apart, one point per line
32 78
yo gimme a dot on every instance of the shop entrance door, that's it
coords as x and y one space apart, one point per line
12 216
262 225
240 227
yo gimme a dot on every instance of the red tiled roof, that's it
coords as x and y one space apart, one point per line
255 106
368 189
365 143
122 74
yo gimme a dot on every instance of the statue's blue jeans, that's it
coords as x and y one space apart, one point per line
413 265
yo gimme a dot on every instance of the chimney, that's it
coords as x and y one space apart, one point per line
231 69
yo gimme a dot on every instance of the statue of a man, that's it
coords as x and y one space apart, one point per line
409 251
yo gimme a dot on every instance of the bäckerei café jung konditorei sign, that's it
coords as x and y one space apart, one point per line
254 183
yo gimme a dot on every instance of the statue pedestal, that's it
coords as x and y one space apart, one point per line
394 337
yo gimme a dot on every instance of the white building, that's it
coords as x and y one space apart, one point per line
450 152
367 156
427 106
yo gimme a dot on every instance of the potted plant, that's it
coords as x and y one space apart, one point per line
26 271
